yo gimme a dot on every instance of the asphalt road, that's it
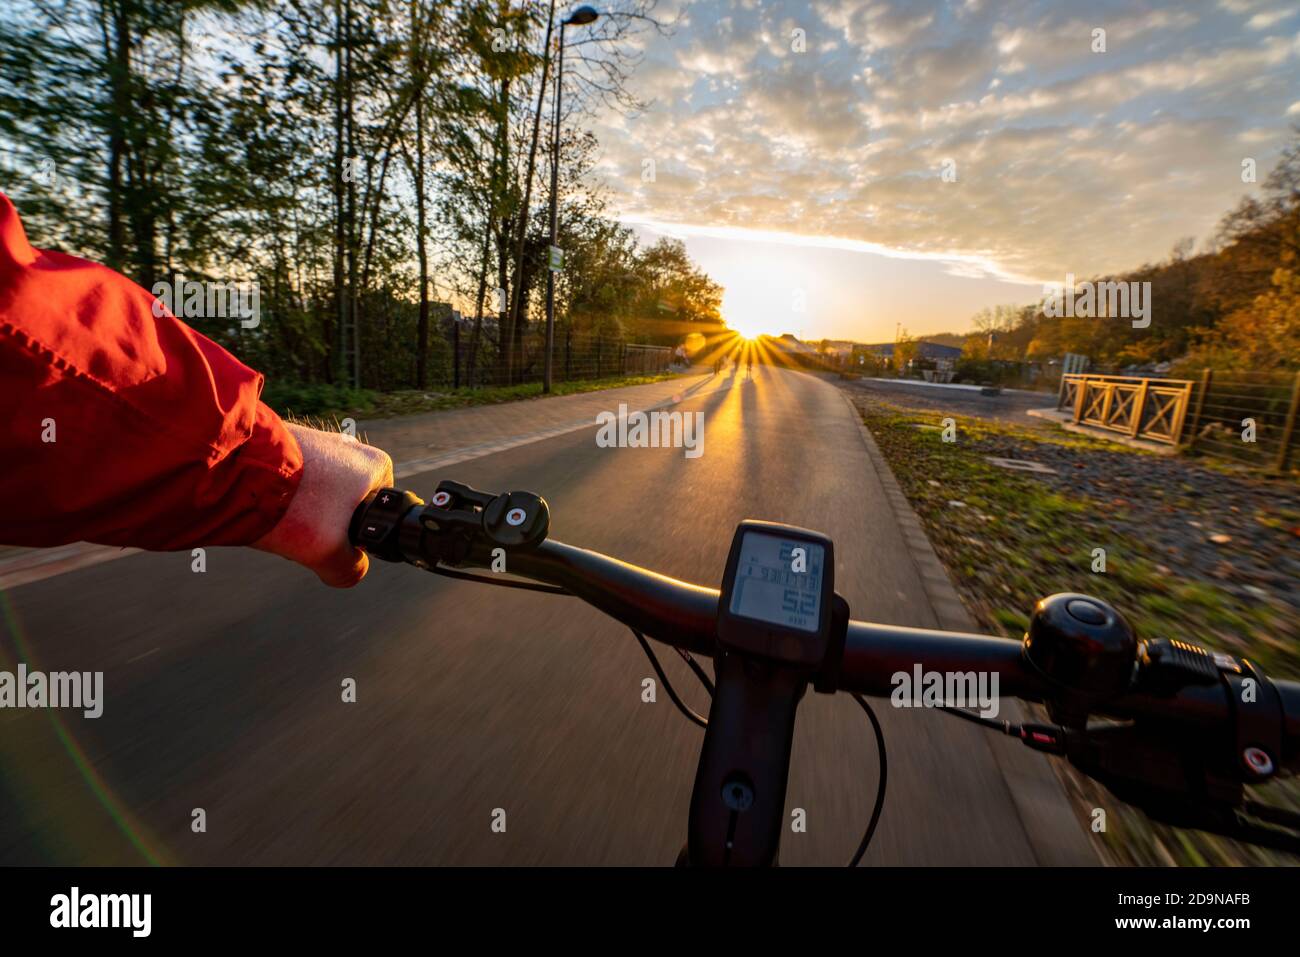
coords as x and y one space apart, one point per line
223 689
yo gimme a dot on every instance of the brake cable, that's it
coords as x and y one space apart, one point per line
1047 738
880 788
698 719
1006 727
691 716
503 582
699 672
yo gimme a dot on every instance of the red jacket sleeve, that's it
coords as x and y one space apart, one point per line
120 427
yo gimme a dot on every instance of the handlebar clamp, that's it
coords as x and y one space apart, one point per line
461 515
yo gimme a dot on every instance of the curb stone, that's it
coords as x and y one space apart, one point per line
1055 832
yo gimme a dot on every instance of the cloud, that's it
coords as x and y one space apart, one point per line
1067 160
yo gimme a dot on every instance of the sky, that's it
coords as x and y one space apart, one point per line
800 148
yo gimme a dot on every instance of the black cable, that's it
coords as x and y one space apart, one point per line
1006 727
557 590
668 685
503 582
880 788
699 672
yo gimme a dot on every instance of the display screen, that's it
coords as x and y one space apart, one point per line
779 581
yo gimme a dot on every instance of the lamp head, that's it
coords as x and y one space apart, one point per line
581 16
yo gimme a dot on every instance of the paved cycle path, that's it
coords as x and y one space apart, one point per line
223 689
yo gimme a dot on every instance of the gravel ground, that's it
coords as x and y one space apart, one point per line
1008 407
1240 530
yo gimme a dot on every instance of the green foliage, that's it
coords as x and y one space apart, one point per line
982 371
316 398
321 401
360 161
906 349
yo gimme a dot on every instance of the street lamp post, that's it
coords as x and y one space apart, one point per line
579 17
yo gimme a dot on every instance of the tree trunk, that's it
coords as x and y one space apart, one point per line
422 254
354 236
489 218
514 327
502 229
338 366
119 74
476 336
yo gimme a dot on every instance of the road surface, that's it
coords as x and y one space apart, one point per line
223 689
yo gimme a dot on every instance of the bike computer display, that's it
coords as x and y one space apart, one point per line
776 593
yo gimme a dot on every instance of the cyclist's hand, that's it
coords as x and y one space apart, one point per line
337 473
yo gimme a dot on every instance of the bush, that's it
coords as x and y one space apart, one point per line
319 398
975 370
989 372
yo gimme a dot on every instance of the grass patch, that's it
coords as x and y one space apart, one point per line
1009 538
1014 538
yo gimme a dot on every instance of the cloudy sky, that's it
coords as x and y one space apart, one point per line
810 182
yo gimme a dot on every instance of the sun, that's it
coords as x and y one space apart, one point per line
747 327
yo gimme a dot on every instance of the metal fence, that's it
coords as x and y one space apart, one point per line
576 357
1247 417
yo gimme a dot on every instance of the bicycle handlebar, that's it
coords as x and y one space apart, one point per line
1196 725
683 615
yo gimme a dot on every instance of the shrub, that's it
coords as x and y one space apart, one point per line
318 398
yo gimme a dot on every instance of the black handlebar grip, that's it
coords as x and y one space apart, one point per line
377 521
1288 693
354 526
